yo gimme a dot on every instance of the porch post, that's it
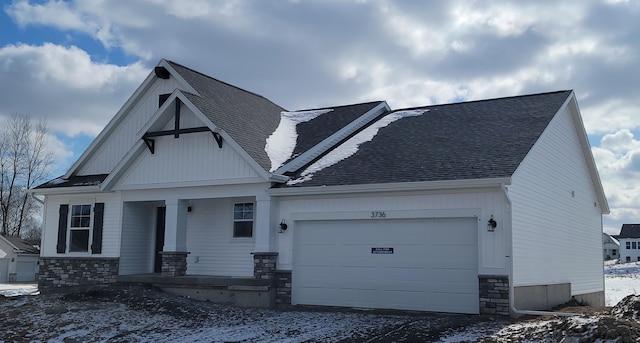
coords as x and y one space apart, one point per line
174 252
264 224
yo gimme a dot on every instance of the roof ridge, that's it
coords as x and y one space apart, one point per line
484 100
223 82
341 106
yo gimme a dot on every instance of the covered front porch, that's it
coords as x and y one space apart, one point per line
241 291
192 236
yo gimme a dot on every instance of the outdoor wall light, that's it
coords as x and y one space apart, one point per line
283 226
491 224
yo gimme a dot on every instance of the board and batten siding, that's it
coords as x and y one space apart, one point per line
193 157
557 230
138 237
491 245
123 137
212 248
111 224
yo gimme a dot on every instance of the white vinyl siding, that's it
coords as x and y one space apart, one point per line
557 231
193 157
111 223
631 254
491 244
213 250
122 137
138 237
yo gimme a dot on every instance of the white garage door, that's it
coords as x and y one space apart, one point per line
26 270
409 264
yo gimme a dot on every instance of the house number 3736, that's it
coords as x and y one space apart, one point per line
378 214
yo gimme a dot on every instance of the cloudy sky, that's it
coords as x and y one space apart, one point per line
76 62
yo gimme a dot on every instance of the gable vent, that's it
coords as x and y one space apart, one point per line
162 72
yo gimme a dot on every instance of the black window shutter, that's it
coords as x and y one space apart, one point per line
61 247
98 219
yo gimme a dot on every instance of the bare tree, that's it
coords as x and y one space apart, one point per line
24 162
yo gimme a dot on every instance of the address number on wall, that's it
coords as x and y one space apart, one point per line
378 214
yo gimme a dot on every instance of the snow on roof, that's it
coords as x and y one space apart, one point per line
282 142
350 147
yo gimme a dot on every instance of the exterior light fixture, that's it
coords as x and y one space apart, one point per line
491 224
283 226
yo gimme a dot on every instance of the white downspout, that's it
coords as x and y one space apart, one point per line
512 306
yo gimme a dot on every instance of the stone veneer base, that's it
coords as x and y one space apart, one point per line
58 272
174 263
494 294
283 287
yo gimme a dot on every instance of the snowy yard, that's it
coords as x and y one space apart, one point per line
621 280
136 314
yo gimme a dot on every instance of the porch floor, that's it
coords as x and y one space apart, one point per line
196 281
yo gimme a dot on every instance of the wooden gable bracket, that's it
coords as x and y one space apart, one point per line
218 138
151 144
176 132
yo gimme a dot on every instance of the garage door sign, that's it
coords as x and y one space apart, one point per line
382 251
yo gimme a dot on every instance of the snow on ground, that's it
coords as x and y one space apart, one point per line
135 314
620 280
17 289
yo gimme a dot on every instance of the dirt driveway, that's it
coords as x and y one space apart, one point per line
137 314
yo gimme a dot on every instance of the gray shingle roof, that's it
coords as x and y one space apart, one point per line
247 117
314 131
22 245
74 181
629 231
467 140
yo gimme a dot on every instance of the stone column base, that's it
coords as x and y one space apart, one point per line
264 265
174 263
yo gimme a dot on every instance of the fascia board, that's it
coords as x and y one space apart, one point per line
161 113
492 183
123 166
67 190
133 99
184 184
572 103
113 123
226 139
10 244
174 73
330 142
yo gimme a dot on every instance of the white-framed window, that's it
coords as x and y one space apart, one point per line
628 245
80 228
243 220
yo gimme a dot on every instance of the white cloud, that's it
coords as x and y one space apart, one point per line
618 161
305 54
61 15
63 84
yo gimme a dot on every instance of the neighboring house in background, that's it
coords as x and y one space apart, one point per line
610 247
629 239
444 208
18 260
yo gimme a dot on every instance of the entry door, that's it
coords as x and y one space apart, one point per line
410 264
160 223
